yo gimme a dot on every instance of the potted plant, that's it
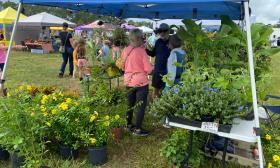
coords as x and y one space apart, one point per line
203 96
21 133
117 123
95 137
64 124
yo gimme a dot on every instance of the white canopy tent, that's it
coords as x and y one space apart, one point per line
146 29
44 20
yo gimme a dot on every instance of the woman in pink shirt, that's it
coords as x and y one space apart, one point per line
136 69
2 57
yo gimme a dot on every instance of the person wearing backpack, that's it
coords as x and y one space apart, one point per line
176 61
66 50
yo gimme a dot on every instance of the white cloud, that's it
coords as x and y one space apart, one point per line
266 11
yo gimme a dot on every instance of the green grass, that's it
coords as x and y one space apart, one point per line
131 152
37 69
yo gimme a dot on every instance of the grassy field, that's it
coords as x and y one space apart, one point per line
131 152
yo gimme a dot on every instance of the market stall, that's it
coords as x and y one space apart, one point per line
35 31
7 17
163 9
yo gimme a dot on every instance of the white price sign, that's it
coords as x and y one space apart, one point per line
210 126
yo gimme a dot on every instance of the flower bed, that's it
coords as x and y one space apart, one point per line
35 119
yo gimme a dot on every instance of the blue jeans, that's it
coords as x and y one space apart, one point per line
68 55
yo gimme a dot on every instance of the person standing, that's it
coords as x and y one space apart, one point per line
136 67
161 53
2 57
67 55
176 62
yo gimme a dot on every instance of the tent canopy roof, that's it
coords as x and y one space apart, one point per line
152 9
44 19
8 16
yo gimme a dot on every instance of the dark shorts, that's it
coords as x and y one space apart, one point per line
1 66
157 81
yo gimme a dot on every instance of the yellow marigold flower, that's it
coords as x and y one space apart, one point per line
20 88
92 118
45 114
96 113
54 98
54 112
269 165
32 114
268 137
68 100
29 88
107 117
48 124
92 141
276 158
63 106
107 123
43 108
117 117
8 94
44 99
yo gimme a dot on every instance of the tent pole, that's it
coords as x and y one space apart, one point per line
10 47
4 32
253 81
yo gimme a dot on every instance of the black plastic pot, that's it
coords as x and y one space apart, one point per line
17 161
4 154
185 121
207 118
67 152
224 128
97 155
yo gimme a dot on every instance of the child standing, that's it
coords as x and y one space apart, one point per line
82 60
75 57
176 61
2 57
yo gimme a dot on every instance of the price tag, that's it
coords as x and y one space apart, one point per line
210 126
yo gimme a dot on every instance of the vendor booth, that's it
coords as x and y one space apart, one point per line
7 17
176 9
35 31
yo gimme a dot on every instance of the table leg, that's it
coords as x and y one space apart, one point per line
224 153
188 155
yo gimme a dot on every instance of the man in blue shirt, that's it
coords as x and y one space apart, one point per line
161 53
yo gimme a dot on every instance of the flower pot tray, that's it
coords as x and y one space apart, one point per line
221 127
184 121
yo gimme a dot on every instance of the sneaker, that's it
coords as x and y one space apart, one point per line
140 132
129 128
60 75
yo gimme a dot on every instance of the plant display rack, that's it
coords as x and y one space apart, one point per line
241 130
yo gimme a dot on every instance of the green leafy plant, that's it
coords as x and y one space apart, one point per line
206 92
175 149
271 146
120 37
